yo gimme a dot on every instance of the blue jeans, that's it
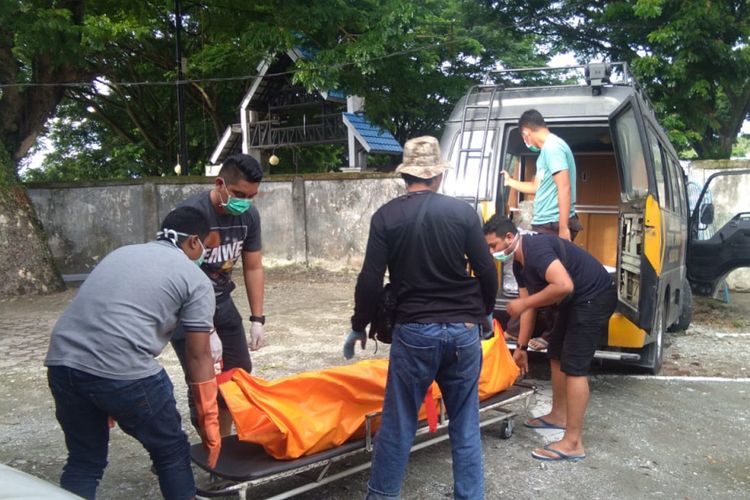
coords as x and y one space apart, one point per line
143 408
451 354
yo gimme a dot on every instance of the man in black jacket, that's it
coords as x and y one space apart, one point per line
440 308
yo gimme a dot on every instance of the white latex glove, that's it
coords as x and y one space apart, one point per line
217 351
257 336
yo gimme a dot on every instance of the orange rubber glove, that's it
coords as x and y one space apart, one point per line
204 394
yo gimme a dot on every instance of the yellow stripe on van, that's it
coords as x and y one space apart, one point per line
624 333
653 247
486 210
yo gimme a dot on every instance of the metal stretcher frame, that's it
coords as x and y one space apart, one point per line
248 465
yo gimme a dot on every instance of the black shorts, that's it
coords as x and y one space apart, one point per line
580 328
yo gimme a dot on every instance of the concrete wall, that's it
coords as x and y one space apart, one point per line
318 219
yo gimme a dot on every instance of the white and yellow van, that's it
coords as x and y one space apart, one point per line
631 197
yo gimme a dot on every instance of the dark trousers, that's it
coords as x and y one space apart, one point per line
143 408
574 224
231 331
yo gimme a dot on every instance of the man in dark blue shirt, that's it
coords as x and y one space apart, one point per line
440 305
550 270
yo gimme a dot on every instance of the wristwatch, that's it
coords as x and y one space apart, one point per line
523 347
258 319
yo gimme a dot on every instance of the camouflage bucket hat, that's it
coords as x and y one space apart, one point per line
422 158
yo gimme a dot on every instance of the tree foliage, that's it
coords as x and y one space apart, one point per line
692 56
39 42
410 60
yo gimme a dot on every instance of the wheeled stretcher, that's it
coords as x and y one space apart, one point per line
246 465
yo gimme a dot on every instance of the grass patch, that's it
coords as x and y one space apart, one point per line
720 315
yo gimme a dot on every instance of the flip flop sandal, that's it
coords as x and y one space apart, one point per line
559 456
543 424
538 344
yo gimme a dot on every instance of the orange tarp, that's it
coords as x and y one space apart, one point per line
315 411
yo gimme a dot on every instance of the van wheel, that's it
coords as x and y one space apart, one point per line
652 355
686 310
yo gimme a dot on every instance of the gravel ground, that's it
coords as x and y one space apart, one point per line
679 436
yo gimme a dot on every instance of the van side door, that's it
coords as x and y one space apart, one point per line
719 234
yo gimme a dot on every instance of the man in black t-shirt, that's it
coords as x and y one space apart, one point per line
550 270
235 233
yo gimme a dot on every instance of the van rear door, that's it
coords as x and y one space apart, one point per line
719 235
635 280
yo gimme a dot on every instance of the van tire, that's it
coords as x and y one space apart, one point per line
686 310
652 354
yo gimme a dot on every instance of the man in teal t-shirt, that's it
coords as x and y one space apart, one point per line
554 186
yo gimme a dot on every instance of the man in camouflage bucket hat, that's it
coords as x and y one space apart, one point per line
439 309
422 158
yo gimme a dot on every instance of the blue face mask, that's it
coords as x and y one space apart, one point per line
234 205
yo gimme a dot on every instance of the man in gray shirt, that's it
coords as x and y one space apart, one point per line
101 357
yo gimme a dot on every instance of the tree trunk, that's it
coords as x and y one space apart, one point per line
26 266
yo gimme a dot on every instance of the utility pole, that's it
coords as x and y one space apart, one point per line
182 158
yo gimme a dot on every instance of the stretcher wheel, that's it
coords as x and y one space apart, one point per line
506 428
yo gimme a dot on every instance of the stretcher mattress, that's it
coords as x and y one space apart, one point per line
311 412
242 461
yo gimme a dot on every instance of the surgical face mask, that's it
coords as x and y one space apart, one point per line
506 255
502 256
171 235
199 261
533 149
234 205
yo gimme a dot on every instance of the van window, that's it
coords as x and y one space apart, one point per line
512 167
659 168
631 155
678 188
471 175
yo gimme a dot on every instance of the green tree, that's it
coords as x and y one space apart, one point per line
692 56
411 61
741 148
40 41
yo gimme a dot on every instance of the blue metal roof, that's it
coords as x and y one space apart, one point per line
337 94
373 138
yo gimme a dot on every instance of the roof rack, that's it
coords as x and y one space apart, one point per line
596 74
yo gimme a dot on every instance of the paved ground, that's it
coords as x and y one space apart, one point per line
683 435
